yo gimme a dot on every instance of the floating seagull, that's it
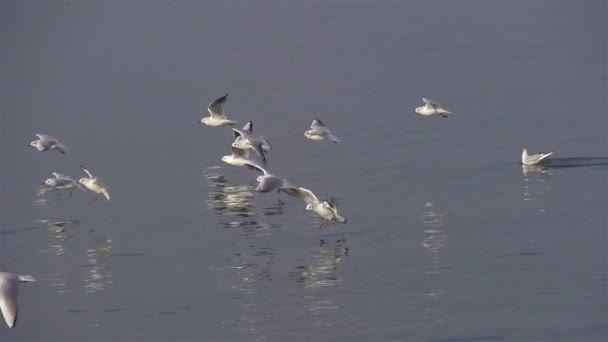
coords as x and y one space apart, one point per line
327 209
245 140
47 142
318 131
94 184
268 182
9 288
216 114
533 159
62 182
432 108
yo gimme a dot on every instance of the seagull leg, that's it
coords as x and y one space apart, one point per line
324 224
443 115
71 192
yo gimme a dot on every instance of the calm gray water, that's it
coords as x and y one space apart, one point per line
448 238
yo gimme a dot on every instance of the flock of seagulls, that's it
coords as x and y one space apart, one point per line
60 181
250 150
247 150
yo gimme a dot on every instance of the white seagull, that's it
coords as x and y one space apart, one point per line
245 140
9 288
432 108
318 131
533 159
216 116
268 182
62 182
47 142
327 209
237 158
94 184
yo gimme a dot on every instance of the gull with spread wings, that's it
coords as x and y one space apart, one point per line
245 140
326 208
318 131
59 181
431 108
94 184
47 142
217 117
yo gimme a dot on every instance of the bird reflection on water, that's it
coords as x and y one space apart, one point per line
98 275
536 185
435 238
321 268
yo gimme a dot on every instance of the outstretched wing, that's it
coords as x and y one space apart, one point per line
303 193
317 123
86 171
46 138
257 167
8 301
248 127
216 108
236 133
59 175
431 103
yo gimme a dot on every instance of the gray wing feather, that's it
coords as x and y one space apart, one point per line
46 138
8 300
216 108
317 123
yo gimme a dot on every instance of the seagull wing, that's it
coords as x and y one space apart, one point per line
216 108
257 167
59 175
248 127
8 300
317 123
86 171
431 103
303 193
46 138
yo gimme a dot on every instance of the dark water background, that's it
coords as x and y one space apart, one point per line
448 238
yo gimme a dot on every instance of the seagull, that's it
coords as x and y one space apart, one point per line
94 184
327 209
268 182
237 158
245 140
62 182
9 288
318 131
47 142
533 159
432 108
216 116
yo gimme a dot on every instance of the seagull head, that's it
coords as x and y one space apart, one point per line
49 182
36 143
205 120
84 181
418 110
307 134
